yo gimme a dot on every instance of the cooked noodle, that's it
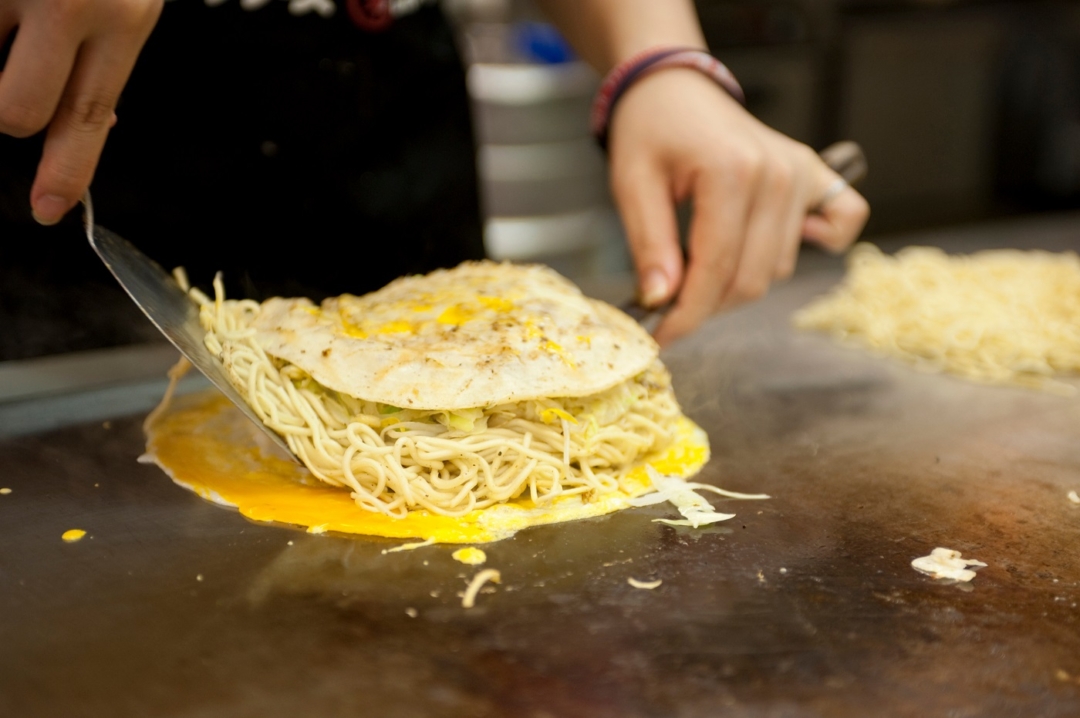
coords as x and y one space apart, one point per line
998 316
448 462
468 599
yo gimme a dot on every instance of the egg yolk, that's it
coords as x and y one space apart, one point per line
470 556
206 445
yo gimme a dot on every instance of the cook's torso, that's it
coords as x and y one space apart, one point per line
301 146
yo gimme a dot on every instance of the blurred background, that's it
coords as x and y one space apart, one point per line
967 110
969 113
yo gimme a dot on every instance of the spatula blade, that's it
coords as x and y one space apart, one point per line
169 308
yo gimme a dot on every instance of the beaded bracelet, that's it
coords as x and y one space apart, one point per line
626 73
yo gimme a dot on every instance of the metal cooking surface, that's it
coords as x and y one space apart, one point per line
804 605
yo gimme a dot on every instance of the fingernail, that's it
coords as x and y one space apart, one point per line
50 209
654 288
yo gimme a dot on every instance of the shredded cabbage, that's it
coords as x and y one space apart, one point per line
696 510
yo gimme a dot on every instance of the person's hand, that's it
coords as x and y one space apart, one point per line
675 135
69 62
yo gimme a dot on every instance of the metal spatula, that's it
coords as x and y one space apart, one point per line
167 306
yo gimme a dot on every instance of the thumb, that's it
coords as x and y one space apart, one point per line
647 208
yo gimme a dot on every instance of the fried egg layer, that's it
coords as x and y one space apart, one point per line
205 445
480 334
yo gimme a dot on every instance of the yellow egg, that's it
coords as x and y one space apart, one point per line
471 556
207 446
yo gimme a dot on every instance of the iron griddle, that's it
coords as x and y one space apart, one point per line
804 605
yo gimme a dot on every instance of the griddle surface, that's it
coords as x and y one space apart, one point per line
804 605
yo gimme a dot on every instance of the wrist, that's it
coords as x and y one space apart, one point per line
629 48
634 69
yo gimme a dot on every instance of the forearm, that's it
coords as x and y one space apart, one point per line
606 32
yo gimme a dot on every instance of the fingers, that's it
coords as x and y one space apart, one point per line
68 63
34 77
752 189
722 202
646 204
748 235
82 120
839 222
808 168
772 236
8 21
75 139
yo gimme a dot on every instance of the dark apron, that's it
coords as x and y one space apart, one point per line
298 155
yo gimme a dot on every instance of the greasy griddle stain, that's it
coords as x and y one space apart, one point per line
1011 633
207 446
872 465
